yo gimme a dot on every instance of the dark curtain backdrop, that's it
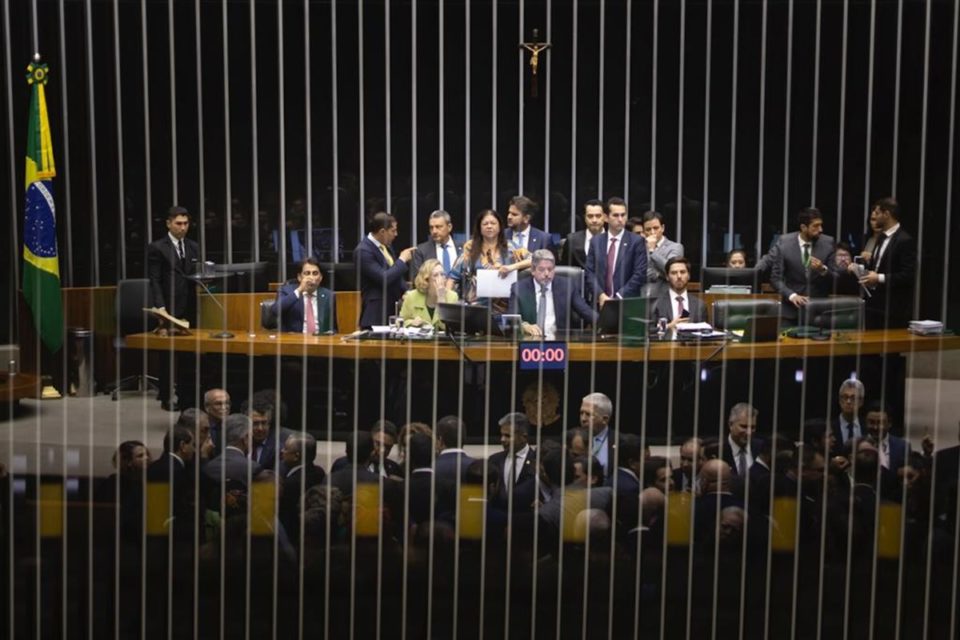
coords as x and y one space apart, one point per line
428 105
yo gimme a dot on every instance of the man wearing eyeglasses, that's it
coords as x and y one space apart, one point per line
849 424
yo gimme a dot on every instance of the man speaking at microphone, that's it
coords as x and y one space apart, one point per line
170 260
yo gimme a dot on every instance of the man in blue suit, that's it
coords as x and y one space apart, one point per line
625 252
381 274
292 311
520 235
545 304
894 452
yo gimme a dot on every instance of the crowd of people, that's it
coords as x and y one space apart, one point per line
749 530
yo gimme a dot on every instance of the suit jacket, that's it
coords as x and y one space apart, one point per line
666 302
727 453
891 303
271 447
233 467
524 300
536 239
445 466
630 271
627 483
422 508
524 488
428 251
169 286
899 451
179 475
288 309
573 250
289 508
789 276
657 259
838 432
381 285
415 306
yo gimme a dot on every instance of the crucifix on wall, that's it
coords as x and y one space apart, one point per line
535 48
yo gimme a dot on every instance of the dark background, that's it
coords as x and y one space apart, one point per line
731 148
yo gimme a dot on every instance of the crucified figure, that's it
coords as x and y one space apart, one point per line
535 48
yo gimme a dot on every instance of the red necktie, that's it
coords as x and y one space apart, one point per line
310 320
679 306
611 265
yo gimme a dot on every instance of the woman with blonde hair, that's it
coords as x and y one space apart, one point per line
420 303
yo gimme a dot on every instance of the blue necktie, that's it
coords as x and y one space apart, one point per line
446 260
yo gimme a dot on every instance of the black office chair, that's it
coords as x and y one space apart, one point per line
835 313
572 274
133 295
268 319
735 314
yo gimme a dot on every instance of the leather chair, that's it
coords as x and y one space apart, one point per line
735 314
835 313
133 295
268 320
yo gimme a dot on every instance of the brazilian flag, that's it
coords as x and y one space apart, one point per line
41 266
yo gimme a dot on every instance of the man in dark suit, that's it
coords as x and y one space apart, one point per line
596 414
175 468
848 424
892 269
627 477
546 304
429 494
440 247
216 404
266 438
170 260
946 467
576 246
894 451
625 252
234 465
382 276
293 313
520 235
736 448
298 455
516 465
676 304
685 477
452 461
801 263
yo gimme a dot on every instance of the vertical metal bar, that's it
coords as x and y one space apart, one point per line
335 137
921 203
653 107
786 126
308 131
468 188
65 157
172 52
843 116
522 77
680 110
762 127
493 132
200 154
362 132
816 107
227 157
896 101
118 104
35 41
148 172
602 92
546 134
91 120
15 259
441 92
626 106
706 139
574 205
868 160
413 110
254 156
733 123
388 111
283 143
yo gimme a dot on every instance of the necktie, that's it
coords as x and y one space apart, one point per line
386 255
446 259
518 240
742 462
679 306
611 265
309 319
806 254
542 310
875 261
180 250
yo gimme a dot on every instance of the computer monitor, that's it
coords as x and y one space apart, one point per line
628 317
467 319
710 276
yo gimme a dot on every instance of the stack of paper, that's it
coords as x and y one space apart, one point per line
926 327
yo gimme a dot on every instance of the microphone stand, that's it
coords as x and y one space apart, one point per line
223 334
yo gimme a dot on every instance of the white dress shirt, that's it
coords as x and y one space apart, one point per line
735 450
673 303
514 465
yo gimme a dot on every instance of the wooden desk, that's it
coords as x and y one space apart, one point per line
262 343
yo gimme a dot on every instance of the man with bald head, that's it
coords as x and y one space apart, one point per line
716 494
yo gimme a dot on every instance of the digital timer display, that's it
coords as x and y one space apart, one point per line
542 355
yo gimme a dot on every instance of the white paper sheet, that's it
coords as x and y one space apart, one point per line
491 285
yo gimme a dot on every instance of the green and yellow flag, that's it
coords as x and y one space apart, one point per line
41 266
